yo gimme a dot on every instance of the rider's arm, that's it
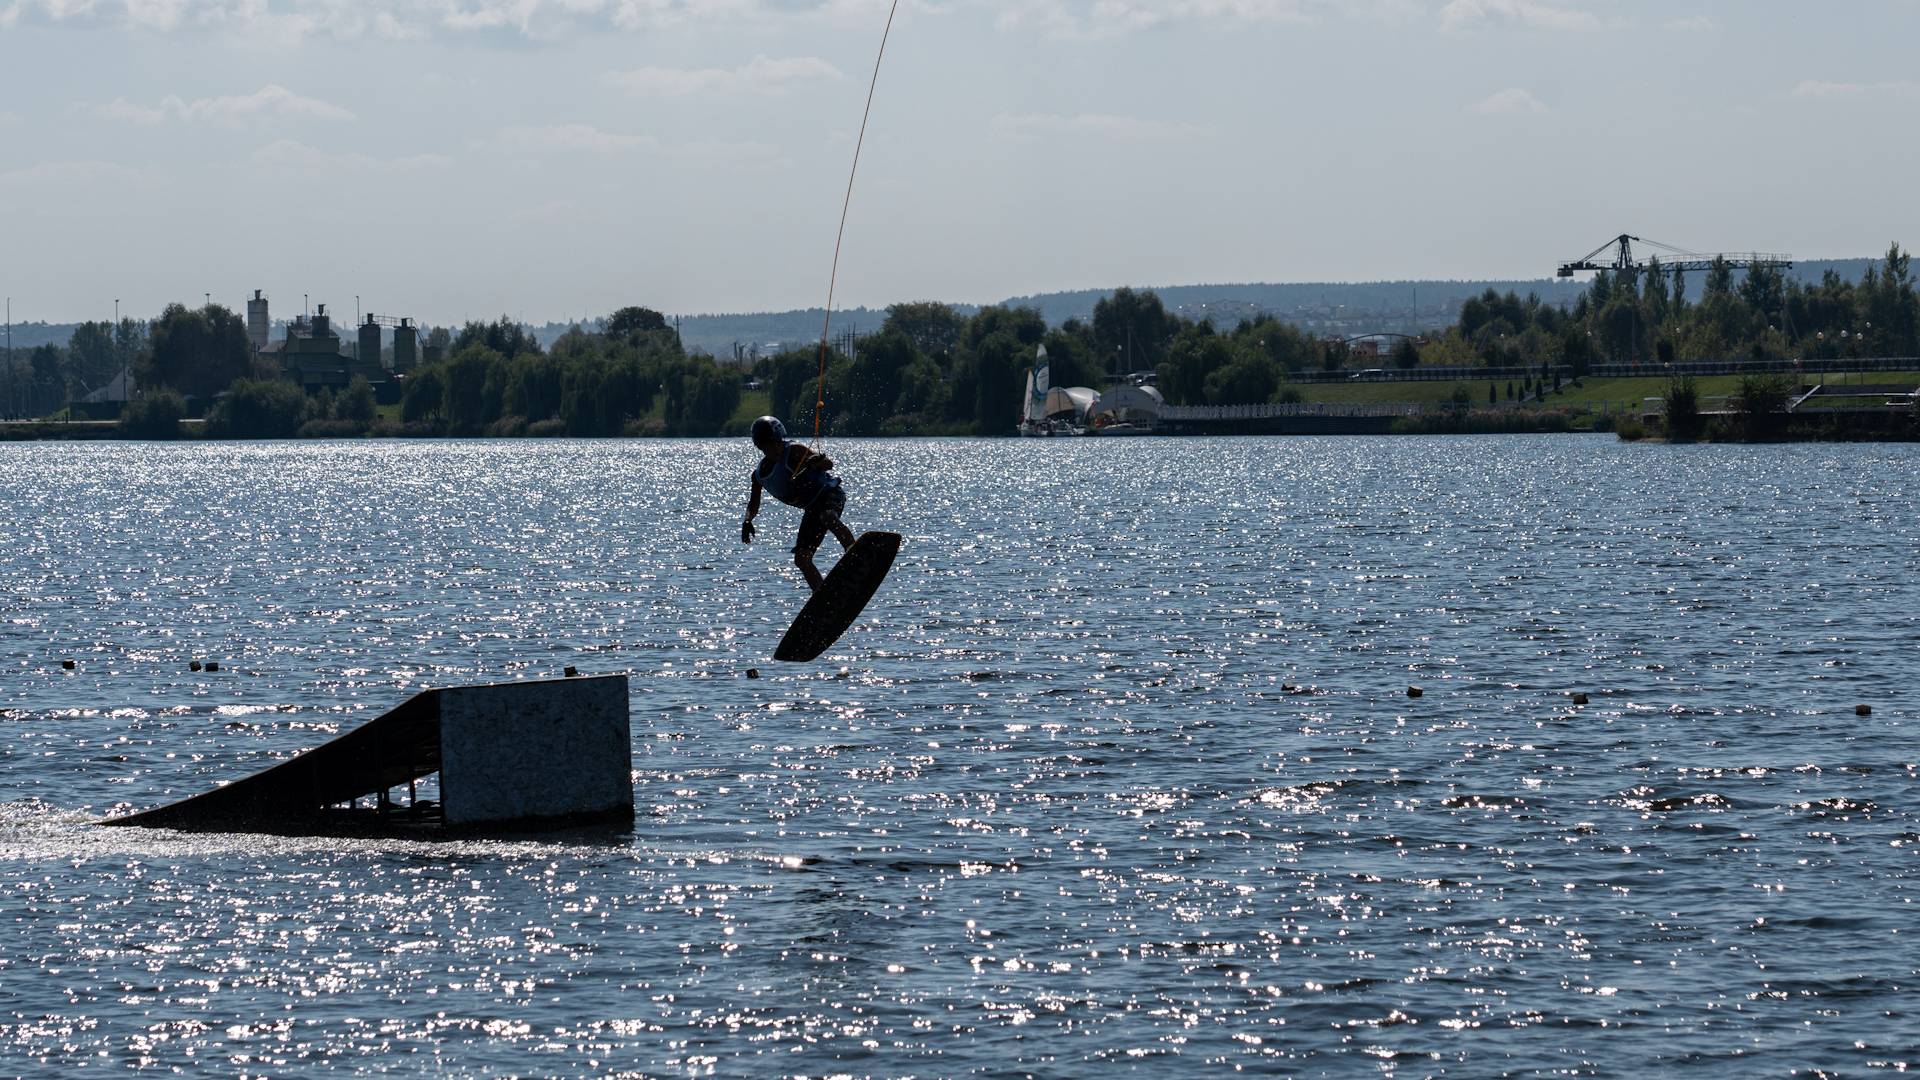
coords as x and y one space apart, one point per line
753 507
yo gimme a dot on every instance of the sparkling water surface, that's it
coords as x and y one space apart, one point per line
1119 773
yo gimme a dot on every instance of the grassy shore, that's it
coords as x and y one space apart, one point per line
1588 393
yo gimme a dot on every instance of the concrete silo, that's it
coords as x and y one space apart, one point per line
406 347
369 342
257 322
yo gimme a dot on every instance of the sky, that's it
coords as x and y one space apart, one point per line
553 159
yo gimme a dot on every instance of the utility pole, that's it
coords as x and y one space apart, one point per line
9 405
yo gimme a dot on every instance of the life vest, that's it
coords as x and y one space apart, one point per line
777 477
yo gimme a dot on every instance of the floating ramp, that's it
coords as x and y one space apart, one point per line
509 756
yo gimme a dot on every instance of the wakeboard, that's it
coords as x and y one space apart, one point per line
840 598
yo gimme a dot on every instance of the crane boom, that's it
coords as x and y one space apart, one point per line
1679 259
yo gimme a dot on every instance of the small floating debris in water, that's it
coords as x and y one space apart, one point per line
570 671
1578 698
1414 691
213 665
66 665
753 673
1863 710
193 665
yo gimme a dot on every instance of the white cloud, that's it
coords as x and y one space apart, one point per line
8 119
157 14
268 101
1532 14
1855 91
288 154
761 73
565 139
545 20
1513 101
288 20
1113 18
1691 23
67 172
1037 126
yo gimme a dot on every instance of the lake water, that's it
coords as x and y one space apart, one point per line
1120 772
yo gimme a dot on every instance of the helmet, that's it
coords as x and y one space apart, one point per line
768 429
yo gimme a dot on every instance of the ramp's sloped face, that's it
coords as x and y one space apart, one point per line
521 752
508 754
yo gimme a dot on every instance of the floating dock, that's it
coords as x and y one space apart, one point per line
508 756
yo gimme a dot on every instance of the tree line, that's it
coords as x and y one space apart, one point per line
932 369
1648 316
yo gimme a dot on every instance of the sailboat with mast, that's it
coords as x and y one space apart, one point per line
1033 404
1047 410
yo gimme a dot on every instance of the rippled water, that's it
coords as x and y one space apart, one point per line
1120 772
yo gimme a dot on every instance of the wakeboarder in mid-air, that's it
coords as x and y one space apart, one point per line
800 478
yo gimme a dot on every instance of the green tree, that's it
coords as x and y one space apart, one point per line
1621 329
533 382
502 336
1760 406
999 368
92 354
874 377
199 353
1132 329
934 328
425 395
259 409
465 378
700 398
791 385
356 404
1247 379
1071 360
631 321
1682 403
155 415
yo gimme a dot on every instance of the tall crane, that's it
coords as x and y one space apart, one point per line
1677 260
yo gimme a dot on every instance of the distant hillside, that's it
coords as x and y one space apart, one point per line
1344 308
34 334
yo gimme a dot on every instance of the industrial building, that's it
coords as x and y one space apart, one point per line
311 356
310 353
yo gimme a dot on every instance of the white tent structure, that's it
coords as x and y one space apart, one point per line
1128 409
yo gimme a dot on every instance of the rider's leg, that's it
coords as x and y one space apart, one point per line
804 560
